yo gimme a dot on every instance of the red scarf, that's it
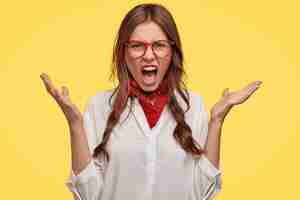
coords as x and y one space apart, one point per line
152 103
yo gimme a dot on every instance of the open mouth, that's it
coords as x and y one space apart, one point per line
149 73
151 70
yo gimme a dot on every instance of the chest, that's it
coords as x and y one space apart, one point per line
134 143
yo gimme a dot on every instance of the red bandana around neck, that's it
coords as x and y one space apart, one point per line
152 103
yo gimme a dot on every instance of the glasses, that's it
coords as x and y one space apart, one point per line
161 48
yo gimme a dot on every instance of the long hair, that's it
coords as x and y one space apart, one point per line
174 76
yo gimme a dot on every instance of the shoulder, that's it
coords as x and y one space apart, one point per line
100 103
195 97
197 118
195 100
96 113
102 97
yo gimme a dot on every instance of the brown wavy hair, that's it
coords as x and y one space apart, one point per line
161 16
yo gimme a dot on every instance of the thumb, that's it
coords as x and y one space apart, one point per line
225 92
65 91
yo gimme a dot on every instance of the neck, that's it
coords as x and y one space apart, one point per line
136 89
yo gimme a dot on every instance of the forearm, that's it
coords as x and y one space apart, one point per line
212 145
80 152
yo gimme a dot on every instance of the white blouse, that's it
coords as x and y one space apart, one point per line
145 163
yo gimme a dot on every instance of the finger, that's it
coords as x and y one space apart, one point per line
252 89
225 92
48 83
253 84
65 91
49 86
66 95
258 82
45 78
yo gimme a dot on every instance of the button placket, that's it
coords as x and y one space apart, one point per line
151 158
152 148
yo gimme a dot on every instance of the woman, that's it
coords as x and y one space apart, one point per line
149 138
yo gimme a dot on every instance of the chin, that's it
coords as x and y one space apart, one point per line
151 88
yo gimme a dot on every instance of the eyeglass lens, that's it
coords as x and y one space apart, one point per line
160 48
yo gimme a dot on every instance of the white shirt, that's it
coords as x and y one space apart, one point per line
145 163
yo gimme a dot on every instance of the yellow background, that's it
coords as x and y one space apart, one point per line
226 44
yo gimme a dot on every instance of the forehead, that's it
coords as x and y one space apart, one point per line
148 31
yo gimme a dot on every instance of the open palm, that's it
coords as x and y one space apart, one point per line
70 110
229 99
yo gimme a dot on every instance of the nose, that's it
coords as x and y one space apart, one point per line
149 54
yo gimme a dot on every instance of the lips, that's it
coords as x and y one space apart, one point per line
148 69
149 74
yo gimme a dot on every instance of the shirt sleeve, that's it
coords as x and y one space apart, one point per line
88 183
207 178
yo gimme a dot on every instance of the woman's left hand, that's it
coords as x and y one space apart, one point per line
229 99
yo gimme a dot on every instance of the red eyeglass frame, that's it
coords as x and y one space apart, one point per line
147 44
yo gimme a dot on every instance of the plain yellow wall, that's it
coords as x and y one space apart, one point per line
226 44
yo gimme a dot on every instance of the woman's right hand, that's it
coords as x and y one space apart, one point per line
70 110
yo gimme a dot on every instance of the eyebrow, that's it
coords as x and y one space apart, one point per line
137 40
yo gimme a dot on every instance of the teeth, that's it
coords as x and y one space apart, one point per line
149 68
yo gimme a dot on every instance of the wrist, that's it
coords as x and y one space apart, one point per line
216 121
76 125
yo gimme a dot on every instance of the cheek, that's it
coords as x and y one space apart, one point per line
165 64
131 64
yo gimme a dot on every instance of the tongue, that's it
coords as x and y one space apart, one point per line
149 78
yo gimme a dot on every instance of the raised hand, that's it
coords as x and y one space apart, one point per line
230 99
70 110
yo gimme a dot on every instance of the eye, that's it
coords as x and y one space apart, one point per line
136 45
161 44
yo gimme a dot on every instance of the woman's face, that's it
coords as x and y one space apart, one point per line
148 70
